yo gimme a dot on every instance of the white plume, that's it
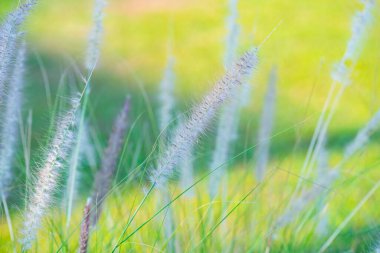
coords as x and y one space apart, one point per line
188 133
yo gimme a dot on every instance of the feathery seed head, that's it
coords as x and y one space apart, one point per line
362 136
361 21
166 95
48 174
8 134
95 37
9 32
189 132
233 34
85 228
104 176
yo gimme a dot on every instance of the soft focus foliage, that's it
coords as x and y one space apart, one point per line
198 143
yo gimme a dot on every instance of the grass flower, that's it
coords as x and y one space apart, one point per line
48 174
362 136
166 97
9 33
76 157
85 228
265 130
95 37
188 133
232 35
228 118
104 176
360 23
8 134
340 75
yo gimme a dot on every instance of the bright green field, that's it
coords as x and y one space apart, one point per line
311 37
305 39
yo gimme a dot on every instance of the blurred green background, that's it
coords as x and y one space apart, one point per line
303 39
310 37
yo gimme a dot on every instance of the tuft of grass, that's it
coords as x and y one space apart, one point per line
104 177
187 134
47 179
254 214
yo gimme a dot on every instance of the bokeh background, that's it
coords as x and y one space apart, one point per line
302 38
310 37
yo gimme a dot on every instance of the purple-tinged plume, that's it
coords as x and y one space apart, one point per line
104 176
85 228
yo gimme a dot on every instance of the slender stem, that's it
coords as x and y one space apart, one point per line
119 242
324 129
8 217
73 168
348 218
315 136
226 216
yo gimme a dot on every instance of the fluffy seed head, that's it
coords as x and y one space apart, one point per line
363 135
228 120
233 34
9 32
360 23
166 95
85 228
8 134
47 178
95 38
104 176
188 133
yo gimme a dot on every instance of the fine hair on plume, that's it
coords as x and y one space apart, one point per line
9 124
85 227
48 175
104 176
95 36
9 34
188 133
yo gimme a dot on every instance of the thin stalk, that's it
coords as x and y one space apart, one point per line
324 128
348 218
315 136
226 216
120 241
74 165
8 217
